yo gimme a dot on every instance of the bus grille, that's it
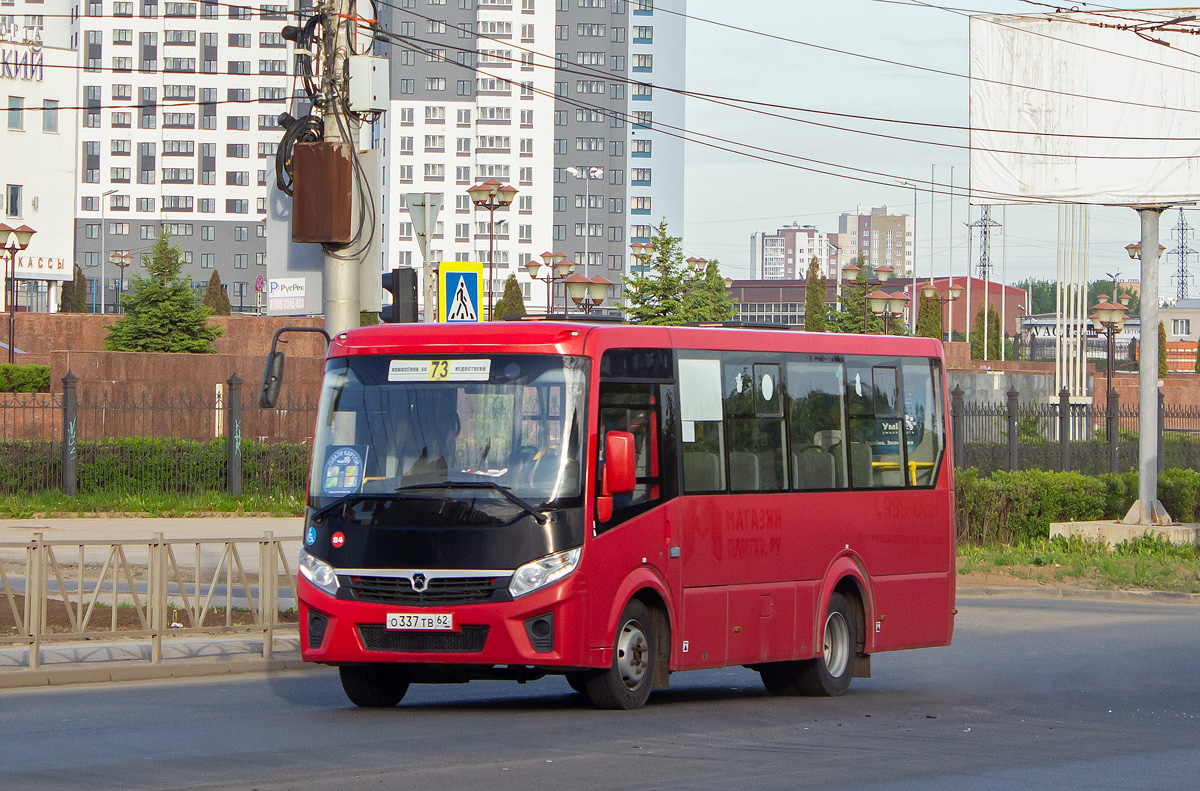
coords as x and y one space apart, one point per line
440 590
377 637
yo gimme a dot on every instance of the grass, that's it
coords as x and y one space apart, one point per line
57 504
1147 563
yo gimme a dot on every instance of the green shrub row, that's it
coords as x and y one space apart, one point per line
1087 456
1019 506
24 378
146 465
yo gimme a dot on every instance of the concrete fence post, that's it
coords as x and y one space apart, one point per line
1064 430
1112 429
157 595
1013 438
35 598
268 590
957 419
69 450
233 436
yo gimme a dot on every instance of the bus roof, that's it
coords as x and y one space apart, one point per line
565 337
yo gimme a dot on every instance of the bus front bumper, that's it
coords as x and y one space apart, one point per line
544 628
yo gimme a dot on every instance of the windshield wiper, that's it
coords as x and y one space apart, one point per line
520 502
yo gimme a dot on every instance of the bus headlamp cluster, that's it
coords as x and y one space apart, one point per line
318 572
539 573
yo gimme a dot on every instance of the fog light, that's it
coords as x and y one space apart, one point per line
540 631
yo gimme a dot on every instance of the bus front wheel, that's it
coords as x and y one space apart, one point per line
627 682
373 686
827 675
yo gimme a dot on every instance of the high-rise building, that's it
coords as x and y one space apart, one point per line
785 254
880 238
564 100
179 132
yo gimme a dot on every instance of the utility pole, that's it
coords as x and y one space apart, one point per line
985 224
1181 252
340 277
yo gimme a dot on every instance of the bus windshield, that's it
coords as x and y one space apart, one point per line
387 423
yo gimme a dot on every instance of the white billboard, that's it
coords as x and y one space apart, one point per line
1079 107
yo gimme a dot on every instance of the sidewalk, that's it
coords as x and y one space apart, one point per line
137 528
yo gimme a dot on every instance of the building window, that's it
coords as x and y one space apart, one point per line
1181 327
16 106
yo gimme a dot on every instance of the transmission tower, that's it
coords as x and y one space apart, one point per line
1182 253
985 224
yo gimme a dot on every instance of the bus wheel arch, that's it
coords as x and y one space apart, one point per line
847 576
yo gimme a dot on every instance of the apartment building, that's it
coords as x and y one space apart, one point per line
561 99
880 238
37 174
178 131
786 253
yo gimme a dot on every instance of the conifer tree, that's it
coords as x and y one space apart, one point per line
73 297
929 317
1163 367
161 312
215 298
512 302
814 299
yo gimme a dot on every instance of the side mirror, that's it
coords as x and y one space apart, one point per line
619 463
272 379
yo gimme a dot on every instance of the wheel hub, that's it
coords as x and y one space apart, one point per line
633 655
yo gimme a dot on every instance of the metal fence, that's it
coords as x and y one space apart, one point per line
93 442
1067 435
56 591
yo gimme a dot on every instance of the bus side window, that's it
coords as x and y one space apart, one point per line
923 428
634 408
873 425
818 449
754 413
701 426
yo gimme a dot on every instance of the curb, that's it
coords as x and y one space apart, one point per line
1093 594
80 673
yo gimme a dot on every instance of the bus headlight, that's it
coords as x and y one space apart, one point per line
545 571
318 572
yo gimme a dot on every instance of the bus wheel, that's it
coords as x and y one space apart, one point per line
626 684
829 674
373 686
578 681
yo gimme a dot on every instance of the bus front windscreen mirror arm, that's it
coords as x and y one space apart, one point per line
273 370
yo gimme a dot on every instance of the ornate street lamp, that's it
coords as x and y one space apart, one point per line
881 303
491 195
930 291
13 240
121 259
587 292
558 267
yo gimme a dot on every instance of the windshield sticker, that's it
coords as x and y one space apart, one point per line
440 371
344 469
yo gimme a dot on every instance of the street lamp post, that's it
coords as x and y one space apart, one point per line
881 303
587 174
558 267
121 259
587 292
14 241
103 244
952 293
491 195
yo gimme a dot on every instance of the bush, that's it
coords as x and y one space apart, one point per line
24 378
1019 506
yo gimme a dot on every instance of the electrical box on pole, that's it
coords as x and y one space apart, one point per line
369 84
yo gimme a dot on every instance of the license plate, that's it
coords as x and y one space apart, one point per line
420 621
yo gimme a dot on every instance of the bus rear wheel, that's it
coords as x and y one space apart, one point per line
828 675
627 682
373 686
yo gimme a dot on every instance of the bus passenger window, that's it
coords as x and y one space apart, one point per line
924 431
701 425
873 425
818 450
752 406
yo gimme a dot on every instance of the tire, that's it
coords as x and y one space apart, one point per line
578 681
626 684
373 686
829 674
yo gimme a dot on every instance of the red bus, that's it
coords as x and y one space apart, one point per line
615 503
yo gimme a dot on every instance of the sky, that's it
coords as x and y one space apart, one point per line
728 197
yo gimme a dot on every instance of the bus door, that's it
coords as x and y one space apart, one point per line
637 395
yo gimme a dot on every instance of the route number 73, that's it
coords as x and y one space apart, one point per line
439 370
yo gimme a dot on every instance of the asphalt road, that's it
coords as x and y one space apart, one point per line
1033 694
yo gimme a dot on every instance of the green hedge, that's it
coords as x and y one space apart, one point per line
24 378
145 465
1090 457
1019 506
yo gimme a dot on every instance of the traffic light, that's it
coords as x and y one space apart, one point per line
402 285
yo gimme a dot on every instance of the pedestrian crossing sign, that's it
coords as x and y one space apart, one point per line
460 285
